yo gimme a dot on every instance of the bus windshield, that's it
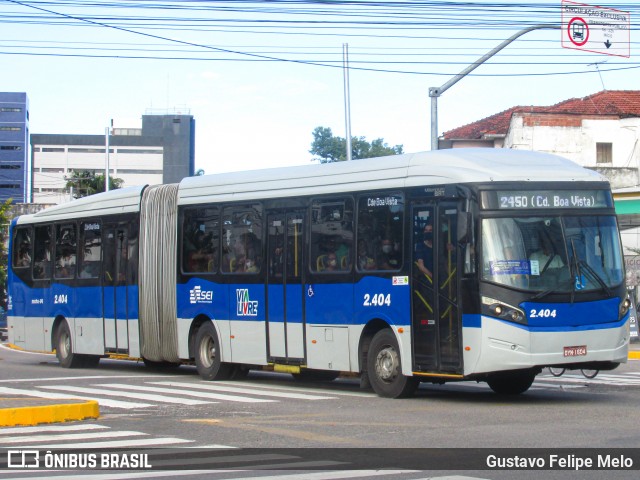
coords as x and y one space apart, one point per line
552 253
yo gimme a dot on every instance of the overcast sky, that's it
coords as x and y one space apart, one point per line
259 76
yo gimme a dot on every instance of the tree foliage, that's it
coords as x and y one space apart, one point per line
4 232
88 182
328 148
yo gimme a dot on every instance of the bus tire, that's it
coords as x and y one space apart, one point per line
207 355
511 383
385 369
64 348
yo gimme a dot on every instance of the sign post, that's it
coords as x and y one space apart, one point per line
596 29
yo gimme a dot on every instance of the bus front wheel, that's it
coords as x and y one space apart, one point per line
511 383
207 353
64 348
385 369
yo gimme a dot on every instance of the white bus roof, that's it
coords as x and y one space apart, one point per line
121 200
397 171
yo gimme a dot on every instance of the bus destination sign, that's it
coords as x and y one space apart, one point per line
550 199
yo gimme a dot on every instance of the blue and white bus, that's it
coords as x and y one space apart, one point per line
464 264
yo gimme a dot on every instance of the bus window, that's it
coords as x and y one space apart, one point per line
42 253
331 235
91 253
380 219
200 240
22 248
242 239
66 245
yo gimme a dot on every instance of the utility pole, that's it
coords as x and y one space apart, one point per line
347 99
435 92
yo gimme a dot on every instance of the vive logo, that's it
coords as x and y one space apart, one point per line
245 307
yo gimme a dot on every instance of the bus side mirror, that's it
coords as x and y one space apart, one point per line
465 223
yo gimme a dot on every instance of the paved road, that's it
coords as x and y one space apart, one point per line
141 409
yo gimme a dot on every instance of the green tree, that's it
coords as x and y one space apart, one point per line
327 148
88 182
4 232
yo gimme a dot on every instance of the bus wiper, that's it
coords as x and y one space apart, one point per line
593 274
540 295
576 270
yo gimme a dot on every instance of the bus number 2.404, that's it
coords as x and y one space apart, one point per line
542 313
377 300
61 299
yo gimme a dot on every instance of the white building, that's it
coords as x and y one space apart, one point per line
162 151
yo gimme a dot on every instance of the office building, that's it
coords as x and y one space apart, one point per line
162 151
14 143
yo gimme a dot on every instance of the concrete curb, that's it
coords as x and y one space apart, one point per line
36 415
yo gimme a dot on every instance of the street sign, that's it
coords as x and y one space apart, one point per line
596 29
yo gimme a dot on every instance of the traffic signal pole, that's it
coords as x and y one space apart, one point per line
435 92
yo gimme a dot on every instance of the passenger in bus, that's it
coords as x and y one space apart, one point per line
389 257
24 259
365 261
66 264
424 252
331 262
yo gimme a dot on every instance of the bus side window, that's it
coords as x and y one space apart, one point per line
200 240
22 244
66 245
242 239
331 235
91 250
42 253
380 227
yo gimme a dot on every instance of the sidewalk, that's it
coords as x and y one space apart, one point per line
24 410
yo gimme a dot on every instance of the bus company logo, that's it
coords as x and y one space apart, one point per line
246 308
197 295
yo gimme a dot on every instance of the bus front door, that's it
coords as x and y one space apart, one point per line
436 323
114 289
285 311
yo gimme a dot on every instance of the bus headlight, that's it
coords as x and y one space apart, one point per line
624 307
503 310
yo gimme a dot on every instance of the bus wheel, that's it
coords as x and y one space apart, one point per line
511 383
384 367
207 353
64 348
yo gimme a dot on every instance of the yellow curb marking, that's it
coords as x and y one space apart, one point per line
49 414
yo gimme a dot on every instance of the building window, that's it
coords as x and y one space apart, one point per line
604 153
10 129
52 149
10 109
10 167
10 147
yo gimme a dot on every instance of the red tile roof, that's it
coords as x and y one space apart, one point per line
622 103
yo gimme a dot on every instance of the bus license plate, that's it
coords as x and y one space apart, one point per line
575 351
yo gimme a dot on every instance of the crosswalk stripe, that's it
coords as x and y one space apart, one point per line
140 396
223 388
50 428
144 442
104 402
332 389
191 393
70 436
600 379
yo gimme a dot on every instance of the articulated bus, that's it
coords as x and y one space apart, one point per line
465 264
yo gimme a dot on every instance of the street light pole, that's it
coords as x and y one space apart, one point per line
435 92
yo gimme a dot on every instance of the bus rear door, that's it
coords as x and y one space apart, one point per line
436 322
285 315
